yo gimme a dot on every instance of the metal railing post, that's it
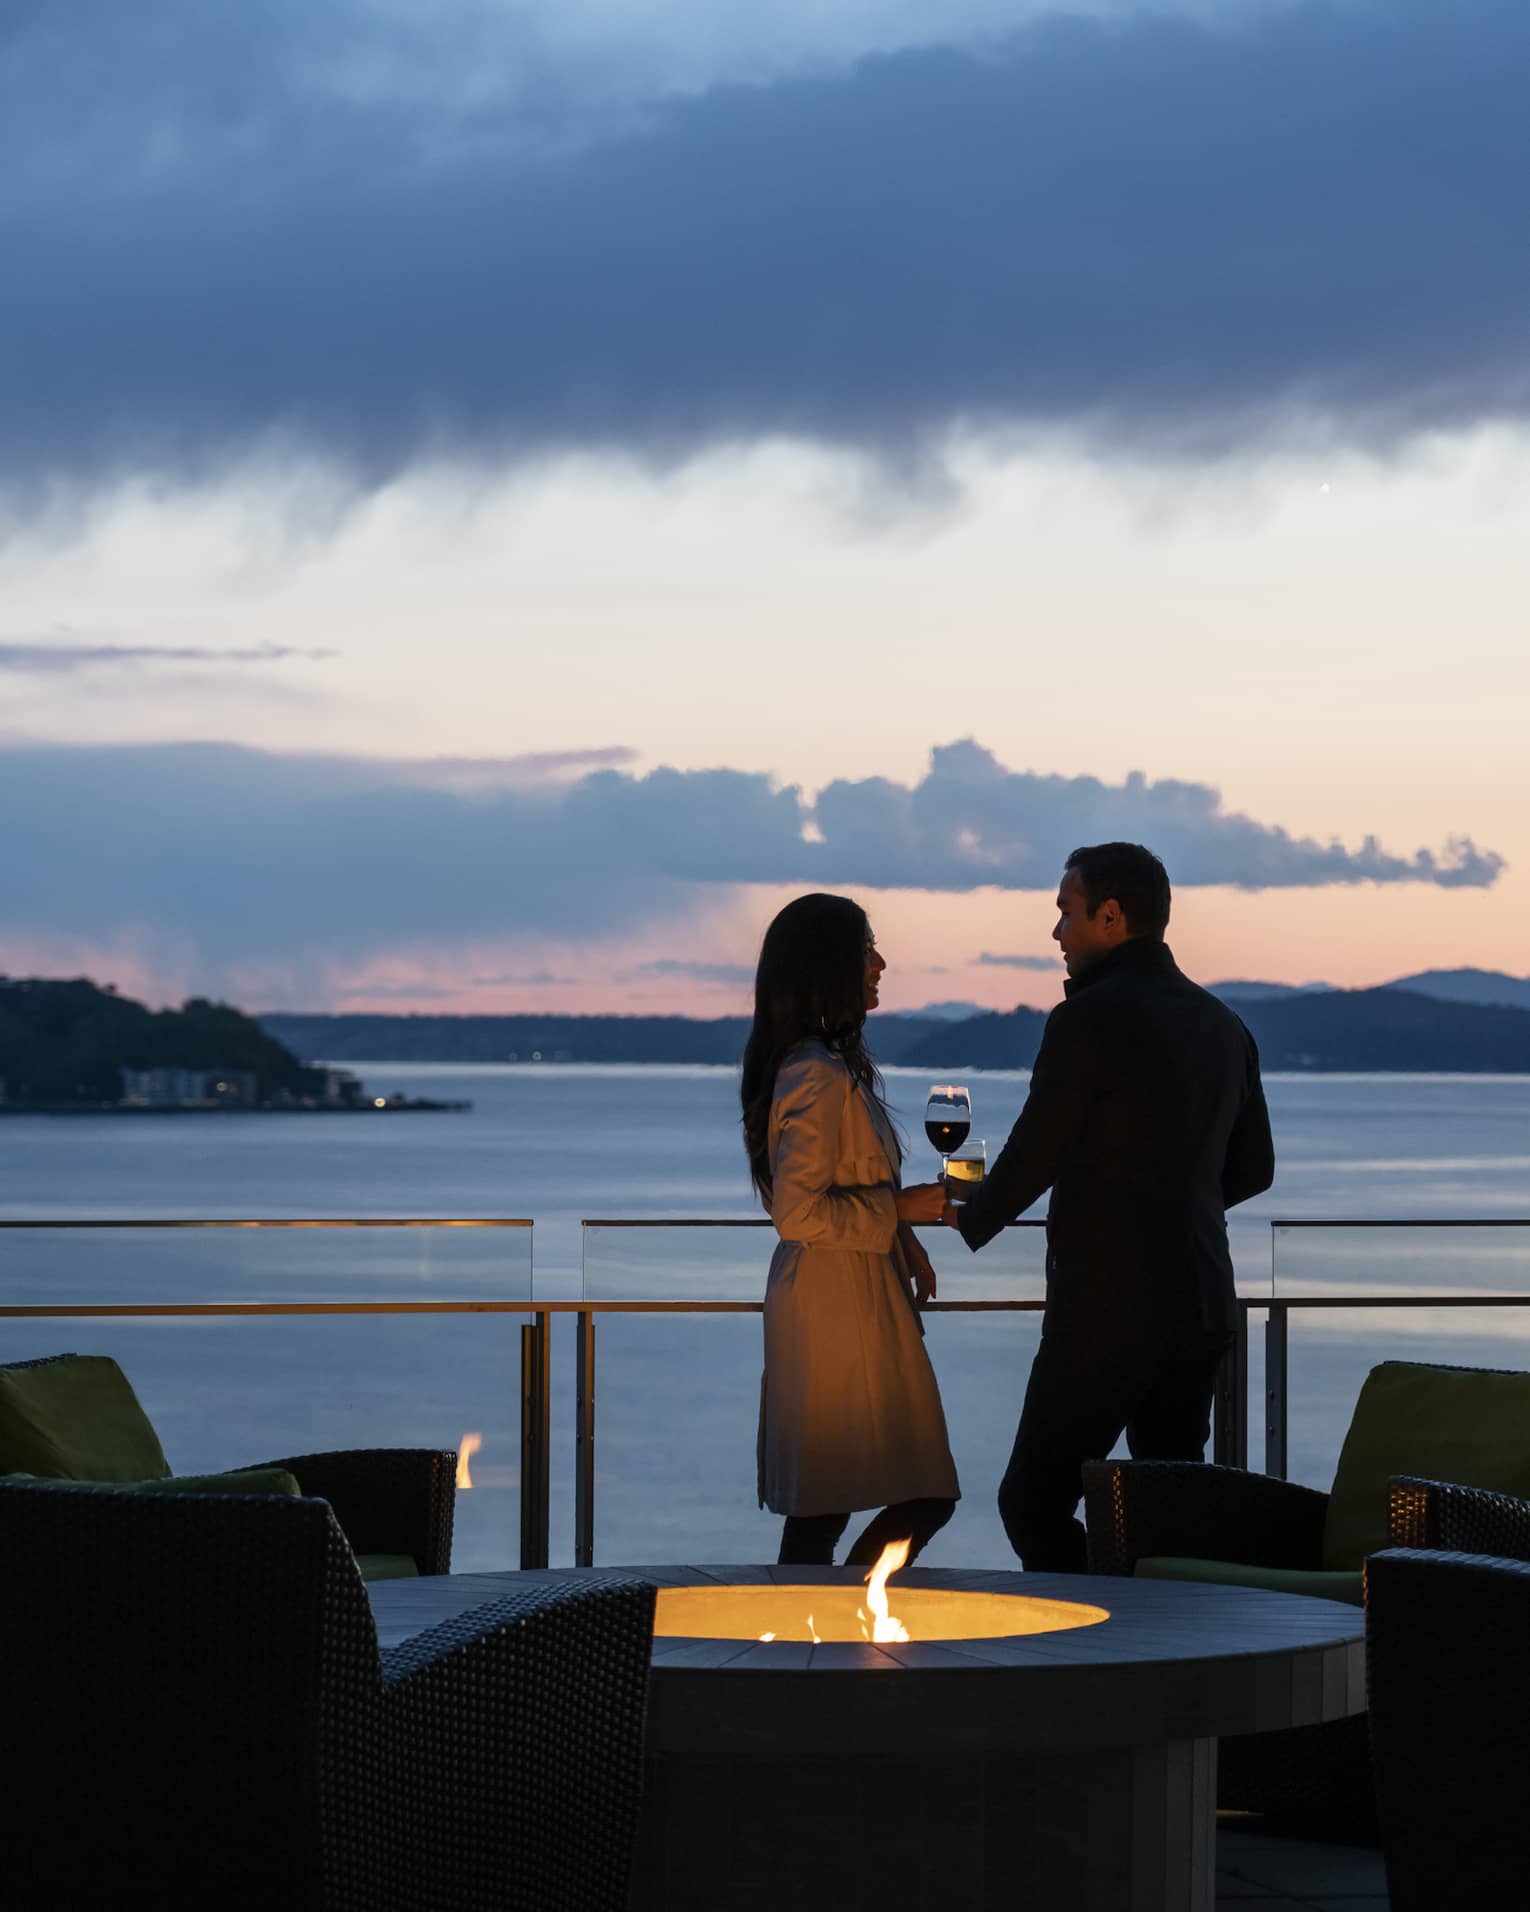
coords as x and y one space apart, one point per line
1229 1443
584 1439
1276 1375
536 1442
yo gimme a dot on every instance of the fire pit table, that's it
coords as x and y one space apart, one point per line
1042 1742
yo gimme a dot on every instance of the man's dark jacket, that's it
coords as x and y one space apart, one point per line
1147 1120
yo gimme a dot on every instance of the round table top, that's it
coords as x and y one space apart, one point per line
1174 1659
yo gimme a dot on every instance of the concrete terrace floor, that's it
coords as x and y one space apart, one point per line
1257 1872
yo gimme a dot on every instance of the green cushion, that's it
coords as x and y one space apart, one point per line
255 1480
387 1566
76 1419
1464 1425
1235 1573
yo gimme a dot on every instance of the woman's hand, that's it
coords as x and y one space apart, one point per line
919 1266
924 1202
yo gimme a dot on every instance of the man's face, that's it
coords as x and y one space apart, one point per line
1083 938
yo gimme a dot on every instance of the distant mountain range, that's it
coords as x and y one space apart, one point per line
610 1039
1236 992
937 1012
1470 1020
1335 1029
1470 985
1446 985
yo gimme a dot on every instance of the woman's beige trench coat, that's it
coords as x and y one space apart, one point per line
850 1415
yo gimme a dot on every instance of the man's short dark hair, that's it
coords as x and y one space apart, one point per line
1133 876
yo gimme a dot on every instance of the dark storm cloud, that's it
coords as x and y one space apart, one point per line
242 856
1151 230
972 822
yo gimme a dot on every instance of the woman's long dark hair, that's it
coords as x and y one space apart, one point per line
810 986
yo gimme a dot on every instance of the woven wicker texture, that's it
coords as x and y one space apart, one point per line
387 1499
1448 1649
1135 1509
197 1714
1428 1513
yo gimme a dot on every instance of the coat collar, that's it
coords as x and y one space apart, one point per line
1138 955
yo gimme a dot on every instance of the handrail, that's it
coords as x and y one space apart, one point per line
76 1310
730 1221
1399 1221
272 1221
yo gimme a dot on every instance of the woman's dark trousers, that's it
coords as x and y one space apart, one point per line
809 1540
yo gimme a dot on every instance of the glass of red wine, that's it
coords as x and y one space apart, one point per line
947 1120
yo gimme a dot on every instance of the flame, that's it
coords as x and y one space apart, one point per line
467 1447
884 1625
767 1636
812 1632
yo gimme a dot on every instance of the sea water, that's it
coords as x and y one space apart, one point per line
583 1151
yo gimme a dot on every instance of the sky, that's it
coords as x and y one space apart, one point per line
494 499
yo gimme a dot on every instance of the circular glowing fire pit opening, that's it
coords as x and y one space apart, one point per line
830 1614
844 1615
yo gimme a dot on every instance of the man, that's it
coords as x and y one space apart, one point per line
1147 1121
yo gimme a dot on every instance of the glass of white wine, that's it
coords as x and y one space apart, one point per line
966 1167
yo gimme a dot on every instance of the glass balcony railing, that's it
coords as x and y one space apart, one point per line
1349 1294
249 1340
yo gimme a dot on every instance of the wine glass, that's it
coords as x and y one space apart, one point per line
947 1119
966 1168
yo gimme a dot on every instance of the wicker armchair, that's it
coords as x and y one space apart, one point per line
1313 1778
1189 1520
1138 1510
1448 1651
390 1501
197 1713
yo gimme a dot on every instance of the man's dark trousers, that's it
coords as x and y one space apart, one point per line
1082 1396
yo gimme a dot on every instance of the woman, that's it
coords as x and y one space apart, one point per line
850 1415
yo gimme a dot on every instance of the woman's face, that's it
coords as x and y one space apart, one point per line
874 967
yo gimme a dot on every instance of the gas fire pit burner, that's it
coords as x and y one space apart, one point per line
828 1615
1041 1742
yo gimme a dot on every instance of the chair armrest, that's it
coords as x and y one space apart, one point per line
1451 1519
386 1499
1200 1511
523 1720
1447 1669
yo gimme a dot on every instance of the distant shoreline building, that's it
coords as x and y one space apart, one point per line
189 1089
